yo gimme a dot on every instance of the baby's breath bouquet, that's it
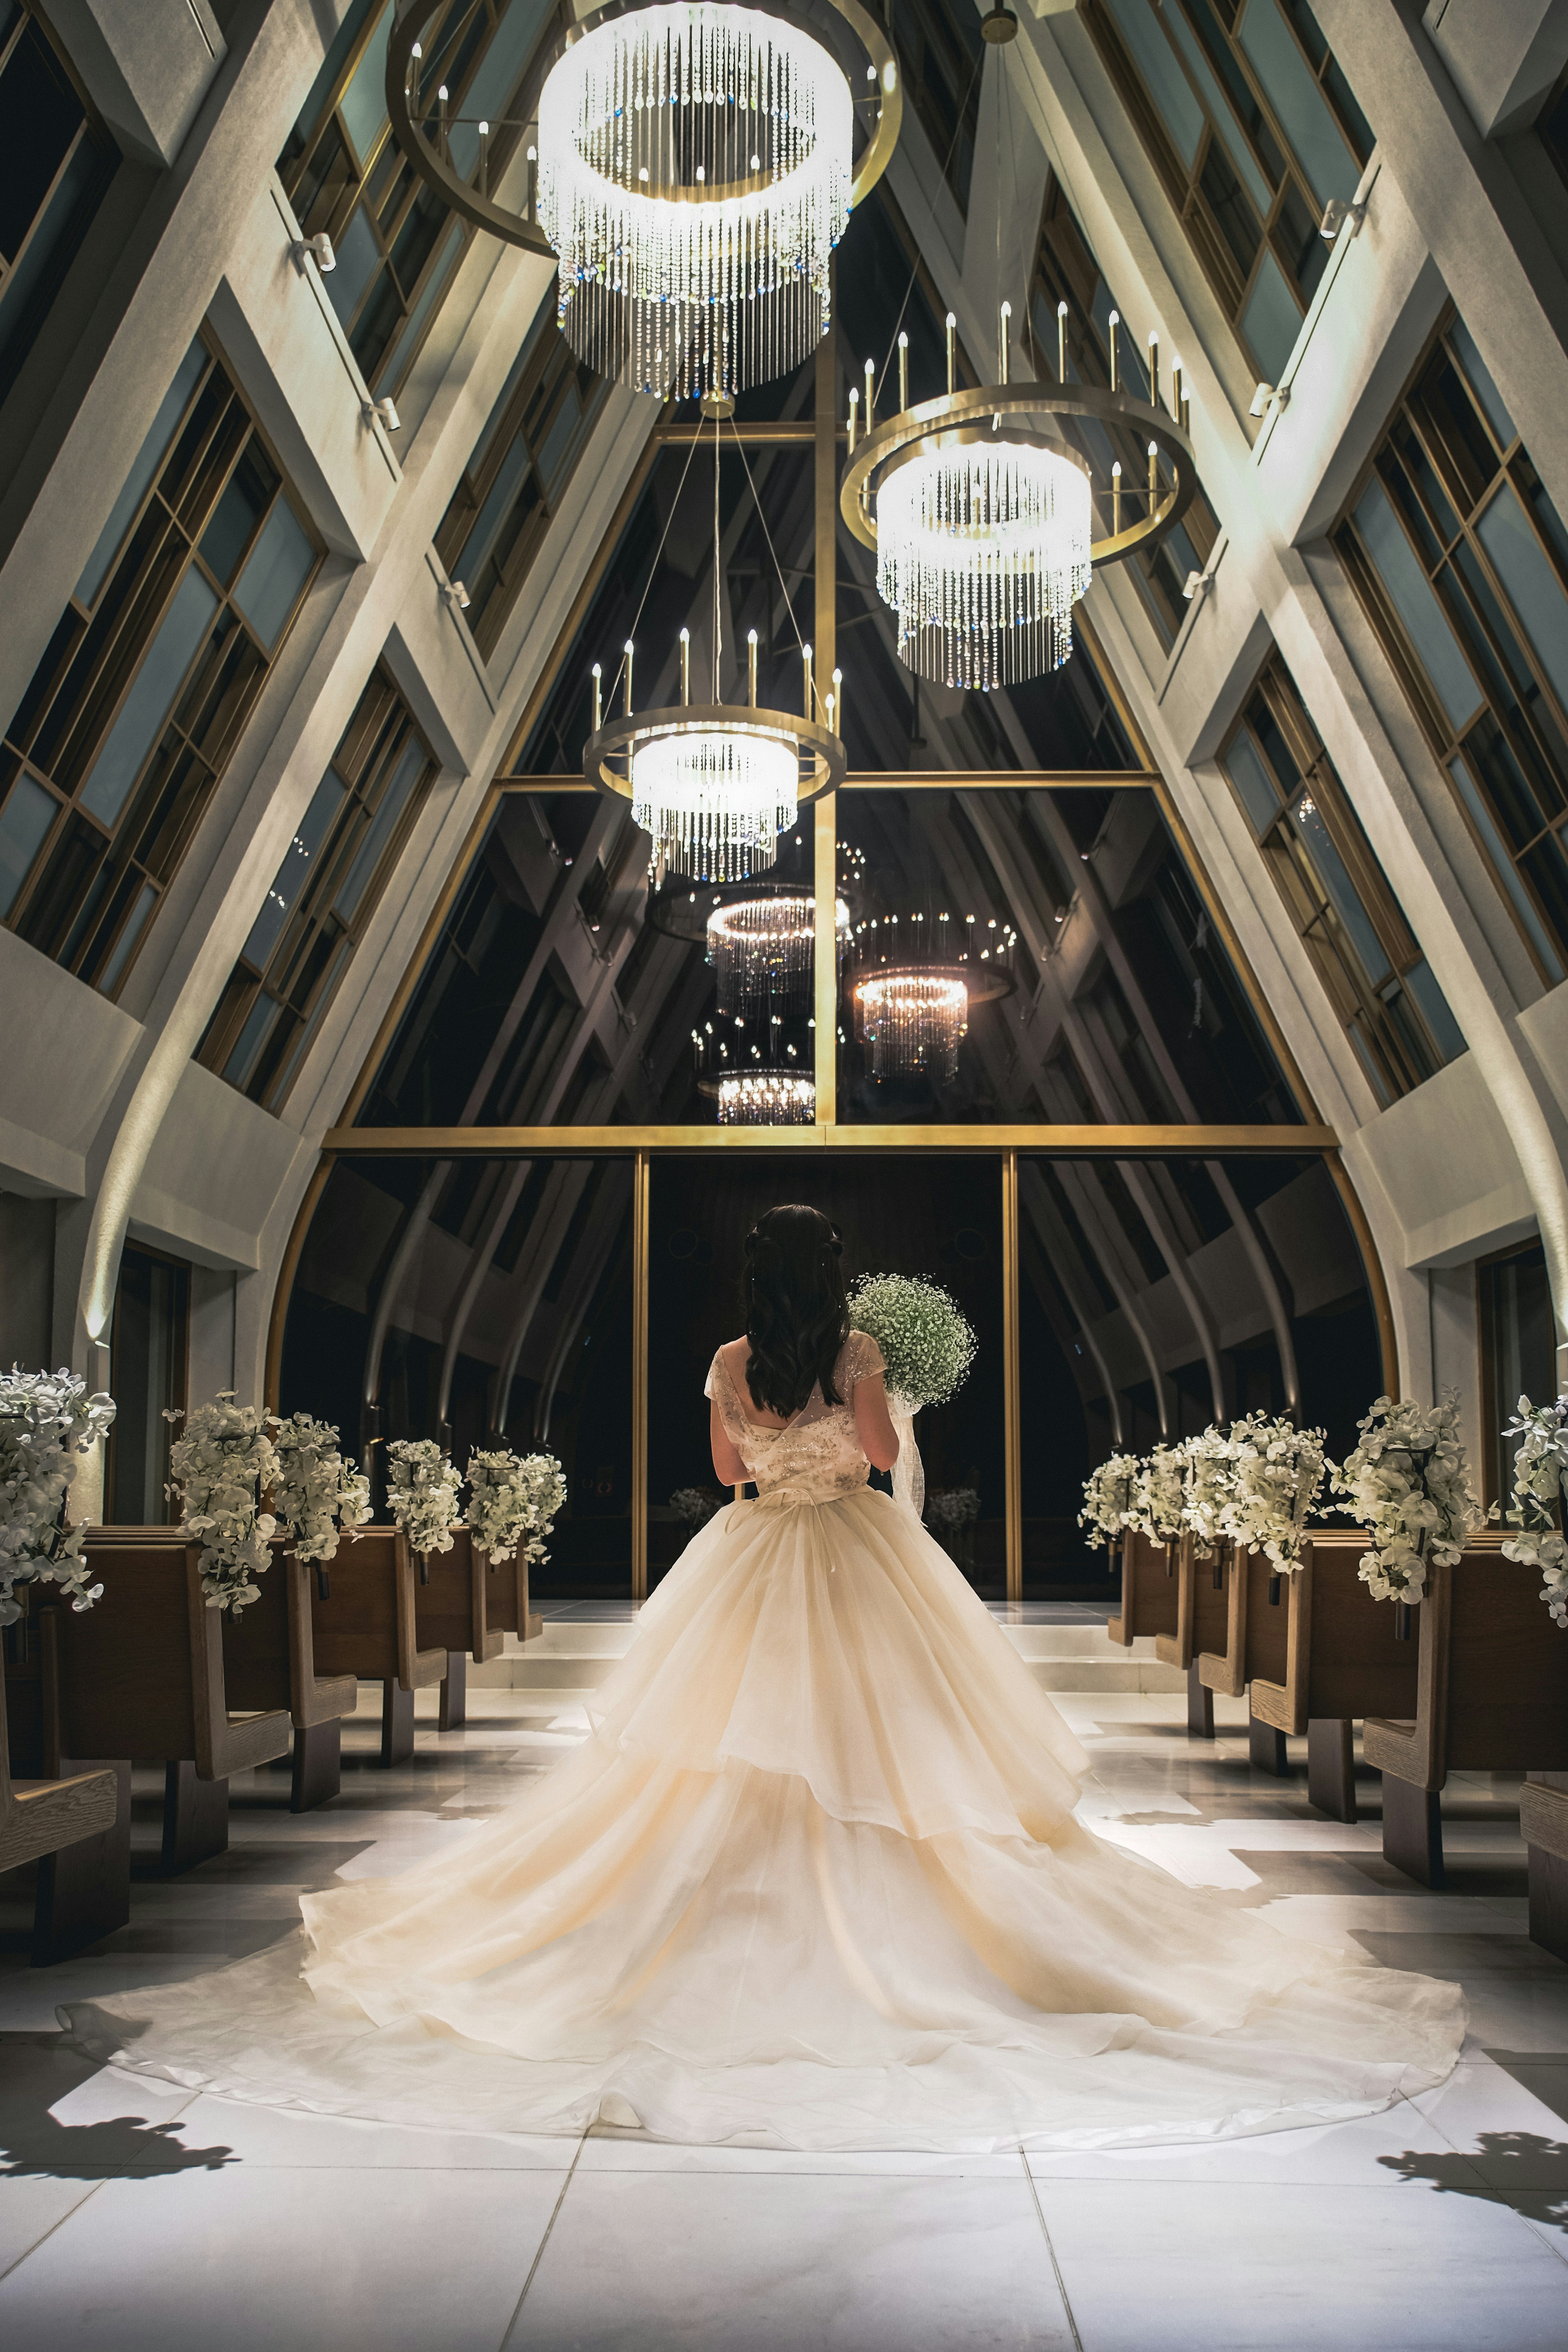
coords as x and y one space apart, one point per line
926 1342
1111 1497
1156 1510
220 1466
47 1420
514 1500
693 1506
317 1497
1408 1483
421 1494
1208 1472
1539 1469
1276 1476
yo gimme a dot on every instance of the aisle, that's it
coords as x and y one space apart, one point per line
141 2219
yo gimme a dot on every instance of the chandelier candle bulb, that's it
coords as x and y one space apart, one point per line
1061 343
1153 475
628 654
533 184
686 666
854 412
751 668
951 353
903 371
1116 499
837 704
1003 316
1155 371
870 392
484 159
1176 389
805 671
1115 355
598 689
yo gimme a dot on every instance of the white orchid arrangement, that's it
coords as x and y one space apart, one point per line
317 1497
514 1500
1111 1497
422 1493
1276 1476
220 1466
927 1343
1540 1467
1157 1494
950 1509
1208 1475
1408 1483
47 1420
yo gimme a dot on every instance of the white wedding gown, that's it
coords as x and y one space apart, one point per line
814 1881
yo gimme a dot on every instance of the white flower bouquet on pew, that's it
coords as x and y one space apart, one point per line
1111 1497
514 1499
1156 1509
1208 1472
1276 1476
48 1422
220 1466
317 1497
1408 1483
422 1493
1540 1468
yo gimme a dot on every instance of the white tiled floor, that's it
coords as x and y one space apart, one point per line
133 2218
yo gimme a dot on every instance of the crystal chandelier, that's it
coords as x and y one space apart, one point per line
981 553
694 174
985 526
715 799
762 949
913 1020
767 1098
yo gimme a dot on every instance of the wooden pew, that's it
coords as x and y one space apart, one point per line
1323 1655
452 1612
367 1628
270 1661
1200 1623
1148 1591
507 1607
141 1673
1256 1642
77 1827
1492 1696
1543 1825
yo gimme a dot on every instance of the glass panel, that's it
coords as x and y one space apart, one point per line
1481 384
241 1062
139 480
363 104
1271 321
937 1217
1168 85
244 501
279 565
434 288
1236 146
1299 103
1531 582
1120 1365
1504 868
1520 1341
25 822
1116 1001
295 871
501 1293
1345 899
395 799
151 699
1411 594
358 257
496 74
148 1378
146 899
1253 781
467 558
1435 1010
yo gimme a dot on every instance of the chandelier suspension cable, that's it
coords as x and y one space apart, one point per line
653 567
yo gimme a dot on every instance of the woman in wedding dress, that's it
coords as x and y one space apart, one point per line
813 1881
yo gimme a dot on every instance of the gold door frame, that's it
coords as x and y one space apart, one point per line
641 1145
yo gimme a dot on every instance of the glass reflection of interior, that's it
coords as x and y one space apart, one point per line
1518 1353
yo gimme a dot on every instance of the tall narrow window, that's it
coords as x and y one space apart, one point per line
517 475
1337 894
321 899
1252 127
1518 1353
117 746
1461 560
58 161
1552 126
941 53
398 246
147 1376
1067 271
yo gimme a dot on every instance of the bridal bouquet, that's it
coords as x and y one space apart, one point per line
1539 1469
1408 1483
927 1344
1208 1472
317 1497
1156 1509
1276 1476
422 1493
219 1469
1111 1497
514 1500
47 1422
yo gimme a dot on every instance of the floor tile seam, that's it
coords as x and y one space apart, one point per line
69 2215
1549 2233
543 2242
1050 2249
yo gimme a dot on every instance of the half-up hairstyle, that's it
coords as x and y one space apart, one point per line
797 1316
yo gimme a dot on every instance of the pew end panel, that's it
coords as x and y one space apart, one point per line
1149 1592
1225 1670
1543 1824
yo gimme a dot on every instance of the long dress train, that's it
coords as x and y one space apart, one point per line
813 1881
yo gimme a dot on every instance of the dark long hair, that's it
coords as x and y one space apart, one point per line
797 1316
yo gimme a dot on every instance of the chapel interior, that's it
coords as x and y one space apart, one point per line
368 1051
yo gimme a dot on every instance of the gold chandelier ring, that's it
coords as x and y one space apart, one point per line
961 419
619 738
518 228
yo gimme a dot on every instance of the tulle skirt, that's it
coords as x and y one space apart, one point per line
815 1882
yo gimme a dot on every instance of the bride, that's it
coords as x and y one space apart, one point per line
813 1879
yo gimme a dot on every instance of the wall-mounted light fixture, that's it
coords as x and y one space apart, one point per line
1276 394
320 250
457 596
1196 586
383 412
1336 212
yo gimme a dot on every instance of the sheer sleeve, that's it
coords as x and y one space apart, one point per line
862 1359
721 1390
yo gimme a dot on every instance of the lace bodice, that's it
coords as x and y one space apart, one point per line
817 1454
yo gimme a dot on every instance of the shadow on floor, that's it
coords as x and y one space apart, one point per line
37 2075
1525 2154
